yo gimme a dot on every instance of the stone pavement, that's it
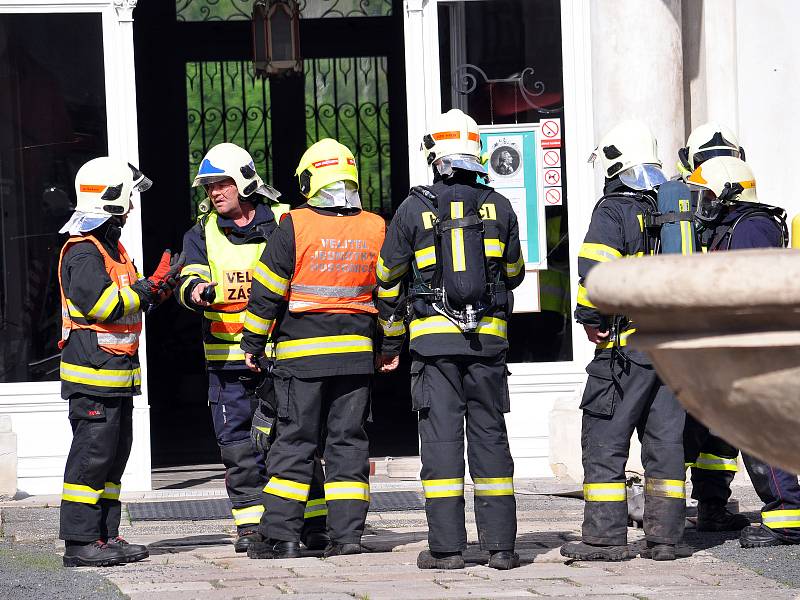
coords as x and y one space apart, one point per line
196 560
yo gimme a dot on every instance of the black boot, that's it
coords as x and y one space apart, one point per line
504 560
658 551
132 552
316 540
759 536
440 560
335 549
245 538
92 554
584 551
273 549
712 516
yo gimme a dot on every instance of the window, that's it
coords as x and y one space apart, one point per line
241 10
500 62
52 102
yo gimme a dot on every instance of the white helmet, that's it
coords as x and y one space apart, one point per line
630 151
103 186
707 141
228 160
728 177
454 134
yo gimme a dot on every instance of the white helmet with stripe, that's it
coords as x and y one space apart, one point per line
454 134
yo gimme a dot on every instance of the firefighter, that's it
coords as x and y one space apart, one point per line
102 301
221 250
456 235
623 392
732 218
313 296
712 460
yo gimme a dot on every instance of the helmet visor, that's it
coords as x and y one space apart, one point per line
707 205
700 157
642 177
466 162
141 183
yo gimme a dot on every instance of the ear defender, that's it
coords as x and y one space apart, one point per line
305 181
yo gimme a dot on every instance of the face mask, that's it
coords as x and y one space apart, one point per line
339 194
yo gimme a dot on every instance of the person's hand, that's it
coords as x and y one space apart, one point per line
595 335
198 291
165 277
385 363
252 362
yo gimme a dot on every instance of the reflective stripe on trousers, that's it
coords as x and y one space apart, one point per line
347 490
249 515
604 492
443 488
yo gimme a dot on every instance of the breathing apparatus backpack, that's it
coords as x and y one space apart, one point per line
671 228
460 289
720 237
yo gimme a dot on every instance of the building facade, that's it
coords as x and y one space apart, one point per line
161 82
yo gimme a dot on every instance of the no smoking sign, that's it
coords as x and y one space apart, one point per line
552 158
552 197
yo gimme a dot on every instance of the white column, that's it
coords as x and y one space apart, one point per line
637 69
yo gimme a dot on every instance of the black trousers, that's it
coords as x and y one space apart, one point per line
780 493
232 409
447 391
614 404
330 411
712 460
102 434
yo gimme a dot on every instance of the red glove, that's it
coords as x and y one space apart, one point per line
165 277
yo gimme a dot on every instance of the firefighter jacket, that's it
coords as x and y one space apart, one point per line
218 250
410 241
314 285
101 319
616 230
740 228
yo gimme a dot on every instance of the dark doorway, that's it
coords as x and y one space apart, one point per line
195 88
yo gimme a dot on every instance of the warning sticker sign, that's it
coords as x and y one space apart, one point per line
551 133
552 196
552 177
552 158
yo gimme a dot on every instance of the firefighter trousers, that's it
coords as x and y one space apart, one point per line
446 391
331 412
712 460
102 434
614 404
232 408
780 493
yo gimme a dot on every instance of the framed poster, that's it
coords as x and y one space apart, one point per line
514 158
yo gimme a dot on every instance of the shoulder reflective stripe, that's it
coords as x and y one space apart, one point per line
333 291
493 247
425 257
74 492
130 301
388 275
270 280
598 252
583 297
494 486
457 238
347 490
287 489
514 269
623 340
250 515
315 508
200 270
106 303
111 491
334 344
779 519
665 488
443 488
712 462
222 352
604 492
395 329
120 378
437 324
392 292
256 324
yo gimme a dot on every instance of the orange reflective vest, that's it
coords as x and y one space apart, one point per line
335 259
120 336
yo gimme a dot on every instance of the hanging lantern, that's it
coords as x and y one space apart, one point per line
276 37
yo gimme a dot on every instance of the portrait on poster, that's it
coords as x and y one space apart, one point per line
506 161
